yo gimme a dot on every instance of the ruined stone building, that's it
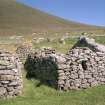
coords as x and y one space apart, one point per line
82 67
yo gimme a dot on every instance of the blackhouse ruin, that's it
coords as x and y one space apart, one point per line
82 67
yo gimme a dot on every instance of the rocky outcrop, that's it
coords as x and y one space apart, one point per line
10 75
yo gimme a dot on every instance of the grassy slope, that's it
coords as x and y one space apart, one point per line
17 18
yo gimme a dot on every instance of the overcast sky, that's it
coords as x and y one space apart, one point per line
85 11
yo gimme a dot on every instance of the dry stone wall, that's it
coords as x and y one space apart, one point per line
10 75
23 51
80 68
86 69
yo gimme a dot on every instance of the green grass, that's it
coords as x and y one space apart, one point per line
44 95
100 39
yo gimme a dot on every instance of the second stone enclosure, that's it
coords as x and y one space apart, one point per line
81 68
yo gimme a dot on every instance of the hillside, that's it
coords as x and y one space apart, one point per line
18 18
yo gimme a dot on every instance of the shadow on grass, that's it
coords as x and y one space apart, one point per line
42 69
